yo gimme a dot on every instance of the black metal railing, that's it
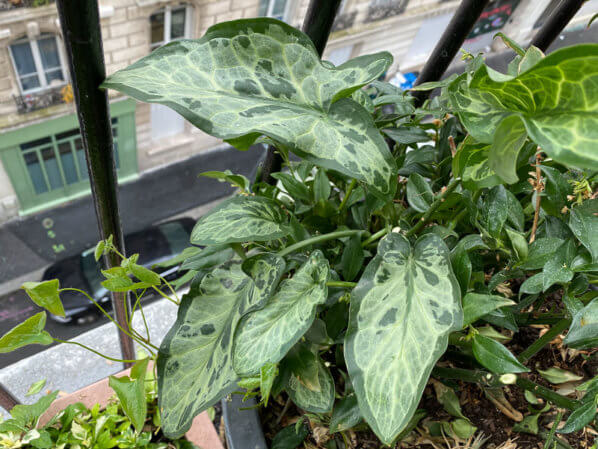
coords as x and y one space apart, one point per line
39 100
81 28
6 5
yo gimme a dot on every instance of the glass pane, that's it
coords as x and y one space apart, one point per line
52 169
157 27
263 7
68 162
177 24
35 172
29 82
23 57
54 74
49 52
278 9
178 238
81 158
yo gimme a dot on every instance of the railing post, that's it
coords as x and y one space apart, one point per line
80 24
450 42
556 23
317 25
7 400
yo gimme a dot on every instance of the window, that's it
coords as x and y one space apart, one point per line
274 8
57 161
38 63
169 24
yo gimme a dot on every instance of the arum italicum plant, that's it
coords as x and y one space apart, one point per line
342 285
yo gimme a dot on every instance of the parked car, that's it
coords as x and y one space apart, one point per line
154 245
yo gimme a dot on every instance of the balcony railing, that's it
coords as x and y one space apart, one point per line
39 100
6 5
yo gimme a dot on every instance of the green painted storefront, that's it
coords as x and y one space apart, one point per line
46 161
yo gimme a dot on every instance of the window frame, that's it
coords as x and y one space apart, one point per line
270 8
37 60
167 11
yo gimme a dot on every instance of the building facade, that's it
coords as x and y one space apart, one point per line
42 162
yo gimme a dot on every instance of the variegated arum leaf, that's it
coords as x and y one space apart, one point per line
556 100
29 332
255 77
195 366
241 219
310 384
402 311
266 335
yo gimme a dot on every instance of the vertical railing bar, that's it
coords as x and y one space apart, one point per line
449 44
556 23
317 25
80 24
7 400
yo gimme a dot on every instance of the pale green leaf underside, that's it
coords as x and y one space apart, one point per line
195 360
557 100
260 76
402 310
241 219
319 401
266 335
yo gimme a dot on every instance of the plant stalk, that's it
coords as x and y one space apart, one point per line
538 189
435 205
537 346
343 204
318 239
381 233
341 284
546 393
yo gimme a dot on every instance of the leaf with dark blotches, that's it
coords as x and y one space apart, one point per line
255 77
195 366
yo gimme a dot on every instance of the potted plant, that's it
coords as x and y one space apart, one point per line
437 287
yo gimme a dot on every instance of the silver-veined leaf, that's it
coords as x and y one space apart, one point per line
241 219
402 311
255 77
195 360
556 99
266 335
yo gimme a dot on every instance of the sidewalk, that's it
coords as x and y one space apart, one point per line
68 367
29 244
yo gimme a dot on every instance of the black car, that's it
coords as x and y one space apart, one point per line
154 245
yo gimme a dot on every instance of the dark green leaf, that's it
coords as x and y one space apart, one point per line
579 418
345 415
295 187
321 186
239 181
352 258
208 257
476 305
30 414
583 333
584 224
131 393
496 210
495 357
407 135
290 437
419 193
509 137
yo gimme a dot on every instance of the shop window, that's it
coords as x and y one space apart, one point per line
38 63
169 24
274 8
57 161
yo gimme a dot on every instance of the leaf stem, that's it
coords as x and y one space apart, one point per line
347 195
546 393
93 350
341 284
537 346
555 424
318 239
538 188
381 233
435 205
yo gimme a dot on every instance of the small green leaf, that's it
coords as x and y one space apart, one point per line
583 333
407 135
241 219
476 305
208 257
268 374
46 294
510 43
583 222
419 193
352 258
448 398
528 425
294 186
495 357
496 210
463 428
290 437
557 375
29 415
540 252
145 275
239 181
131 393
579 418
509 137
345 415
519 243
461 266
311 394
36 387
29 332
99 251
322 187
557 269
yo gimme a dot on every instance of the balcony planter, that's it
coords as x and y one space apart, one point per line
202 432
243 427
